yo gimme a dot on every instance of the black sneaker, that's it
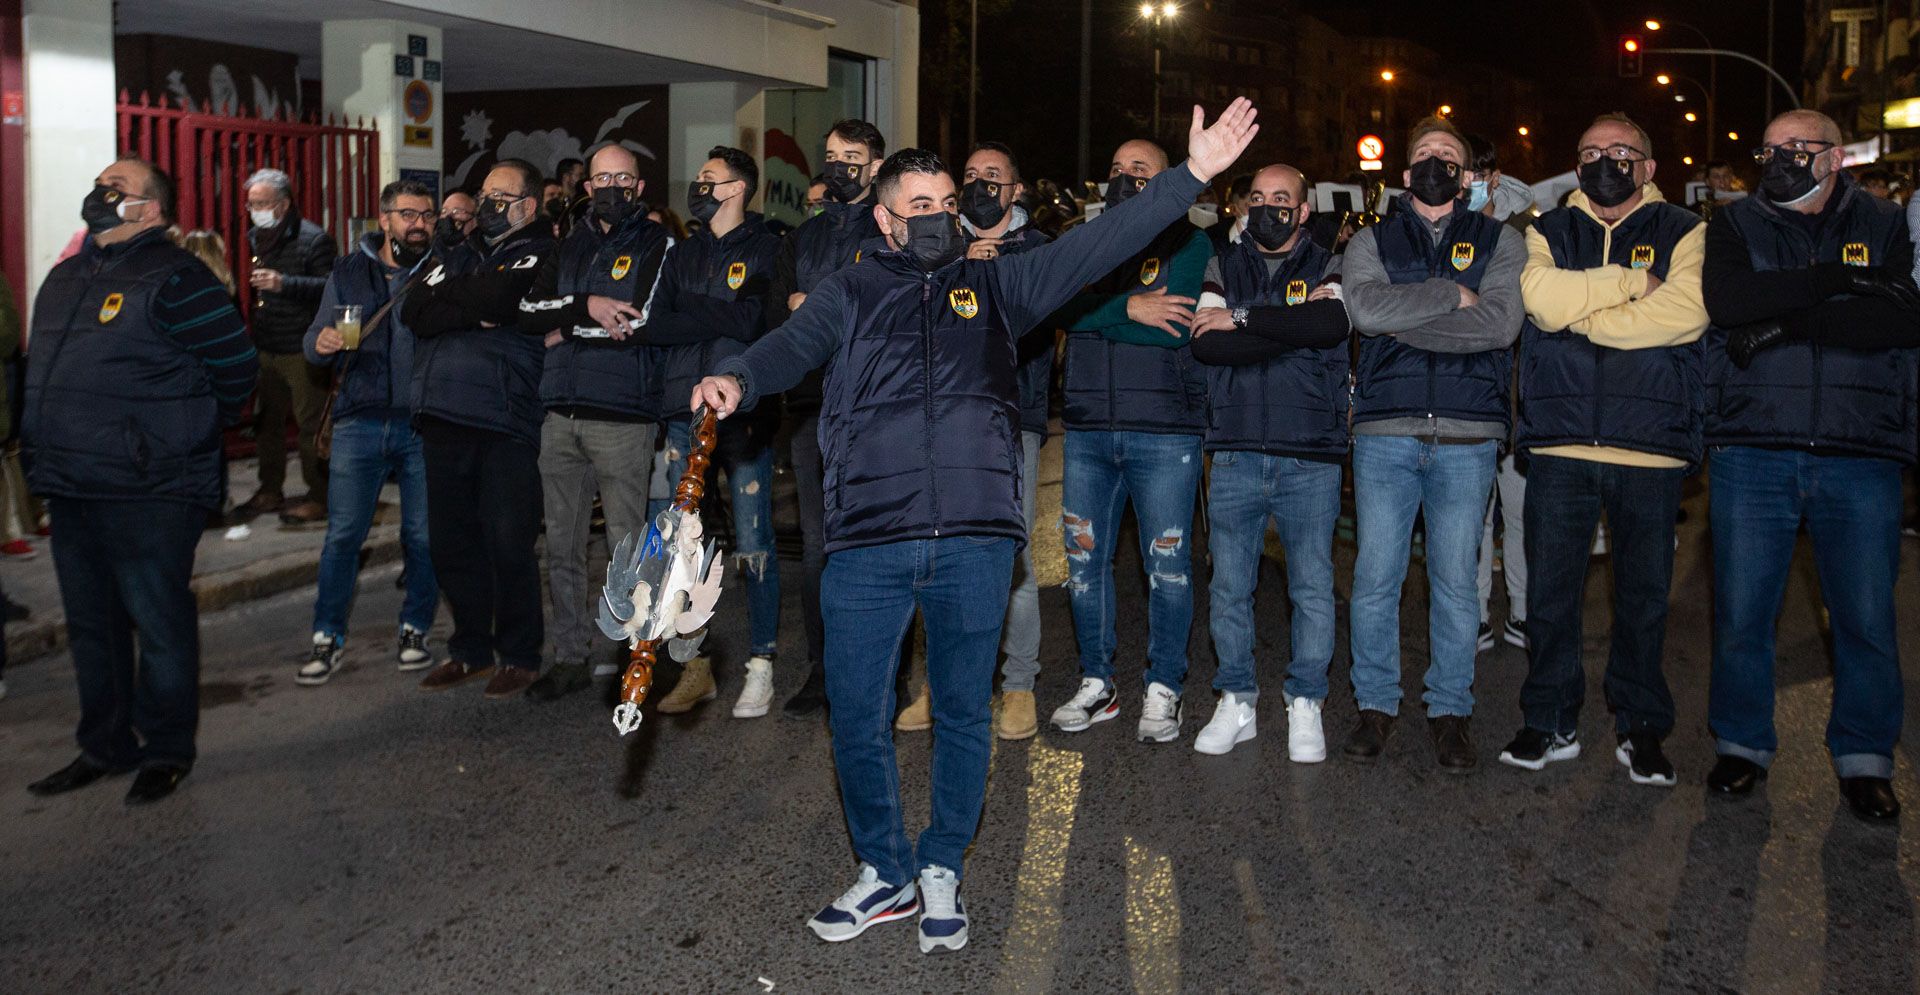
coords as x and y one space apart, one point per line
810 699
1533 749
322 663
1486 637
1515 632
1369 736
1645 761
413 653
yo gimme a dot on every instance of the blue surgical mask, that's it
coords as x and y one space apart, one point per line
1477 195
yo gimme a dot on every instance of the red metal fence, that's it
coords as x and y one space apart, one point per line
334 165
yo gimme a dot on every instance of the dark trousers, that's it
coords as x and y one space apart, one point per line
1565 498
483 519
808 480
127 567
290 387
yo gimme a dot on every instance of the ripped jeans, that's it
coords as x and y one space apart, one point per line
1160 474
744 452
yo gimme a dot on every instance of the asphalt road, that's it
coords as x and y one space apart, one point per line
366 837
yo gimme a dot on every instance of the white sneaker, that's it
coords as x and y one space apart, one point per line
1306 740
758 694
321 663
869 902
1231 725
943 917
1160 714
1094 702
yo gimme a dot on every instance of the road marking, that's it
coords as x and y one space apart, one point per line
1153 921
1031 949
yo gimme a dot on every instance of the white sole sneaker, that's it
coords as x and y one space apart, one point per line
1555 753
1624 754
1095 717
1241 735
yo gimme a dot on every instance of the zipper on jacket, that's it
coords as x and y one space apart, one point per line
926 352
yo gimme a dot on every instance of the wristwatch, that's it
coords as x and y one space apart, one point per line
1239 316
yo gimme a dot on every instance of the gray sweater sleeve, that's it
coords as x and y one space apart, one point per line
1494 322
1377 305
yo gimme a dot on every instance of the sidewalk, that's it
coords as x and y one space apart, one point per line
271 559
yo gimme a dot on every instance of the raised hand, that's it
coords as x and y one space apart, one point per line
1210 150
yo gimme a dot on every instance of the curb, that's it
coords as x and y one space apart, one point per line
47 635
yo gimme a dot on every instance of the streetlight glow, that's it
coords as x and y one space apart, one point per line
1386 75
1652 25
1692 117
1686 160
1446 109
1169 10
1631 45
1733 136
1523 131
1663 79
1679 98
1146 10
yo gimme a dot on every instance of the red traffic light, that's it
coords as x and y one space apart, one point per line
1630 54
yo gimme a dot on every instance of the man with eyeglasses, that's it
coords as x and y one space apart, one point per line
1434 291
476 402
824 244
710 306
1611 399
456 221
373 433
1277 362
1811 417
600 386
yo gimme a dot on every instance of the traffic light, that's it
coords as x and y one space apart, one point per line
1629 55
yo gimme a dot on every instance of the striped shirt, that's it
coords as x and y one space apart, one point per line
196 312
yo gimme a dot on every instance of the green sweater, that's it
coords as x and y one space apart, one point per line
1107 313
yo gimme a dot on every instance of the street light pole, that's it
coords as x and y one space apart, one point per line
973 72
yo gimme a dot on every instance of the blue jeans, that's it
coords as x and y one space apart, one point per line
1160 473
1564 500
748 463
1394 478
126 570
867 597
1758 498
365 451
1302 498
1021 642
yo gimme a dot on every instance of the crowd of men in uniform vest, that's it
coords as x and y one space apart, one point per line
1589 361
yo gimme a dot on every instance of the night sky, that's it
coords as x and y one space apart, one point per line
1029 62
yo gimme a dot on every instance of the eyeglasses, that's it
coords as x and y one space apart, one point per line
502 200
614 179
414 217
1799 151
1618 153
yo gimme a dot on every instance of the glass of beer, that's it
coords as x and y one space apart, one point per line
346 321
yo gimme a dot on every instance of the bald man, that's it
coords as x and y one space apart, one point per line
1277 429
600 386
1135 416
1811 373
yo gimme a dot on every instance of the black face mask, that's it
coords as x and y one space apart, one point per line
557 208
1270 225
933 240
614 205
1785 183
843 181
1433 181
492 215
701 203
1607 182
101 209
406 254
447 232
1121 187
980 203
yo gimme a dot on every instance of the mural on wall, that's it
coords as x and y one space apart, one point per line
210 77
531 125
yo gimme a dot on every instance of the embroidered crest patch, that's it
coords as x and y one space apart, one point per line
736 275
1462 256
1854 254
1296 292
1149 271
621 266
110 307
1642 257
965 303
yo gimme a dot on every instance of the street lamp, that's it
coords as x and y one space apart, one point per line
1692 117
1672 79
1733 136
1523 131
1386 75
1713 72
1154 15
1446 109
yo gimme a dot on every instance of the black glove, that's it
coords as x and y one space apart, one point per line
1872 281
1746 341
